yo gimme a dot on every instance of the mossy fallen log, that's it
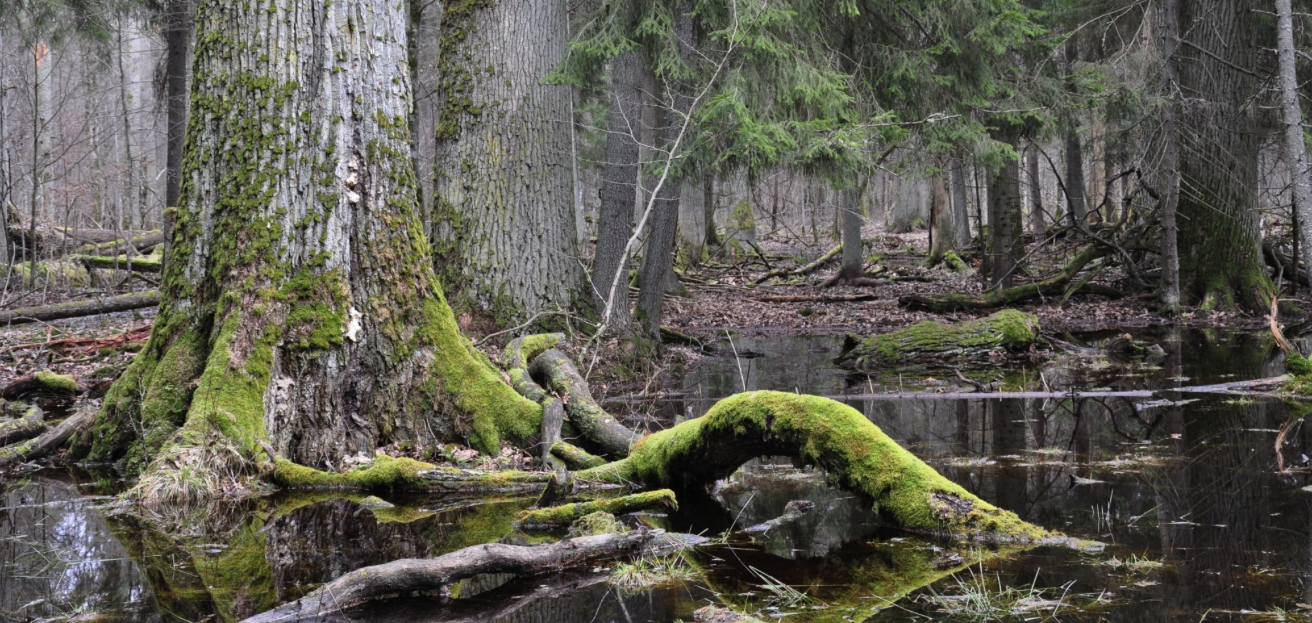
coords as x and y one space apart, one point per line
1008 329
121 262
1056 285
140 243
44 383
30 425
574 457
856 454
405 576
554 370
819 262
80 308
562 516
50 440
387 472
60 272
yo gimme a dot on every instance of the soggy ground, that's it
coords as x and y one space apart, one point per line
1199 524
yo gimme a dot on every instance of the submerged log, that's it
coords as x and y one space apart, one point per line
80 308
857 455
23 428
936 341
410 575
557 372
564 515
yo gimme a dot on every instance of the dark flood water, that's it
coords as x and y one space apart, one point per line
1199 524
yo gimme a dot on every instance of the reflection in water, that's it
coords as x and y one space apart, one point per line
1190 484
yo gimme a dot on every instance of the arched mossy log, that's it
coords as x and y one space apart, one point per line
409 575
300 305
936 341
557 372
857 455
565 514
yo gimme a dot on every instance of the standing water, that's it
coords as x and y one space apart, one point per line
1185 493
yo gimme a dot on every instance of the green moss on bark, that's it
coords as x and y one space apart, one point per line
566 514
1005 330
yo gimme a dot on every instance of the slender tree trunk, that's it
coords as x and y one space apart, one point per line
942 225
960 209
1075 197
504 221
619 188
1220 260
1005 242
709 238
658 260
1036 190
1168 37
309 323
1292 112
177 62
41 87
852 265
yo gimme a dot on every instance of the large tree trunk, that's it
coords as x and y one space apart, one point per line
1220 260
942 222
1168 39
301 315
504 225
1292 112
619 189
1005 243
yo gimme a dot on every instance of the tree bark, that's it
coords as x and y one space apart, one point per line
942 221
852 266
178 25
1220 264
1075 197
1005 244
619 189
960 209
504 230
1292 113
300 314
1037 221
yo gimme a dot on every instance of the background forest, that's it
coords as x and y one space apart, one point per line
310 305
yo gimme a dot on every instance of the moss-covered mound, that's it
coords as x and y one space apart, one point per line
1008 329
857 455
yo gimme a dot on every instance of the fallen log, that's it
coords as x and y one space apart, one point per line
793 511
141 244
1285 265
814 298
554 370
1008 329
91 344
49 441
1055 285
121 262
387 472
43 383
562 516
30 425
406 576
829 256
857 455
80 308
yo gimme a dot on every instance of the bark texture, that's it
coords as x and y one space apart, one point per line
504 224
942 222
1220 261
1292 113
619 191
960 209
1168 40
301 316
852 265
1006 244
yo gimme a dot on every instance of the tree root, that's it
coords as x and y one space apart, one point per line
575 458
858 456
819 263
30 425
517 356
562 516
556 371
1005 330
409 575
50 440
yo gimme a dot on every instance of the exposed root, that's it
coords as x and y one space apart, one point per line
575 458
555 370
